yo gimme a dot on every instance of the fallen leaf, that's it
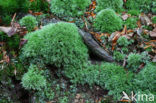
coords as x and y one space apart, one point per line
145 19
152 34
125 16
124 31
139 23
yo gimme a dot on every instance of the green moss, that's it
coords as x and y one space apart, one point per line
142 5
29 22
154 19
11 6
39 5
33 79
118 56
8 6
109 76
123 41
131 23
6 19
134 12
69 8
134 61
117 5
153 7
107 21
57 44
146 78
13 42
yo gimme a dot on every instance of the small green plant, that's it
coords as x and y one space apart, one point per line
131 23
58 44
146 78
117 5
29 22
154 19
107 21
69 8
123 41
134 61
134 12
33 79
118 56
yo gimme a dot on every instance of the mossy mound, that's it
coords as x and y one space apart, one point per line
107 21
57 44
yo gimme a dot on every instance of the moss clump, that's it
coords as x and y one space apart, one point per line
142 5
118 56
107 21
57 44
69 8
29 22
134 61
154 19
131 23
33 79
117 5
123 41
146 78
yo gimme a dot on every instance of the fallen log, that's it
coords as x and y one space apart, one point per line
95 47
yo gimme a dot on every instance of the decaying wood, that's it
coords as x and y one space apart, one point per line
95 47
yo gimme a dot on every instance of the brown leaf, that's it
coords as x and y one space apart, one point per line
139 23
124 31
